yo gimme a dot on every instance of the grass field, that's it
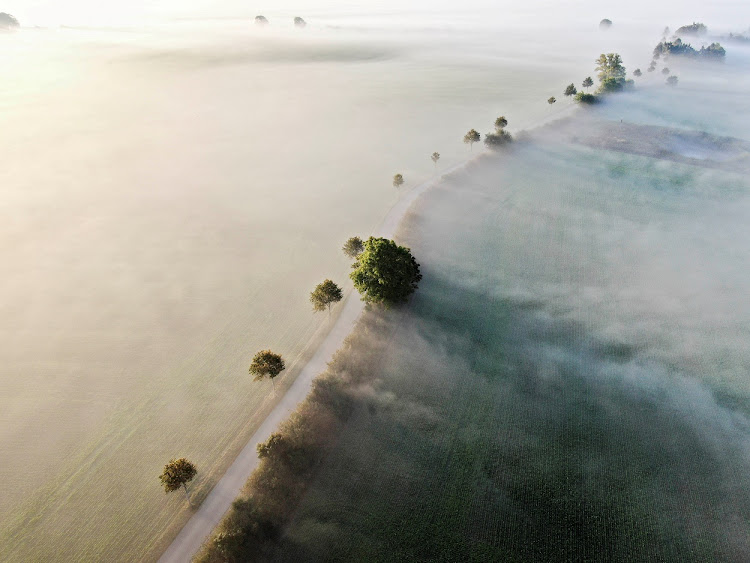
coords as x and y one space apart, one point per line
569 384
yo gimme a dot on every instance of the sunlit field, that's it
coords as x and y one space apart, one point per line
172 190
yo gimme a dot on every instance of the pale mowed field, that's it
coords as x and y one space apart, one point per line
168 204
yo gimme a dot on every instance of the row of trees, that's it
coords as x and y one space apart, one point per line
383 272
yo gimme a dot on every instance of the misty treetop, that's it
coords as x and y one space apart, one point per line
385 273
551 100
398 181
672 80
611 73
605 23
588 82
7 21
570 90
435 157
353 247
299 22
694 29
261 20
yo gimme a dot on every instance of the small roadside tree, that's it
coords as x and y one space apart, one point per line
385 273
501 123
472 137
588 82
551 100
266 364
353 247
398 181
435 157
570 90
177 473
324 295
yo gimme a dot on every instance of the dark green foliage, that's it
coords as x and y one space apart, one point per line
398 181
694 29
672 80
353 247
261 20
570 90
385 273
501 122
713 51
680 49
324 295
551 100
266 364
299 22
472 137
7 21
588 82
498 139
611 73
586 98
177 473
605 23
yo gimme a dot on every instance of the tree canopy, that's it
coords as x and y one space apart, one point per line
353 247
637 72
261 20
435 157
299 22
682 49
672 80
385 273
398 181
570 90
551 100
605 23
694 29
177 473
472 137
7 21
588 82
324 295
501 122
266 364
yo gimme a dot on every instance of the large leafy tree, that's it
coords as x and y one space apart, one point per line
266 364
610 66
324 295
472 137
385 273
177 473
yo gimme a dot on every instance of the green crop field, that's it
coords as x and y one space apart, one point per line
567 385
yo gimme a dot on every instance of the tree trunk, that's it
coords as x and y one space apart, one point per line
187 496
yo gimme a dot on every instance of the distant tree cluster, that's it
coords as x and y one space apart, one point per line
693 30
7 21
681 49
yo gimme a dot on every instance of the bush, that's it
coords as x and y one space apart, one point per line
497 140
586 98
